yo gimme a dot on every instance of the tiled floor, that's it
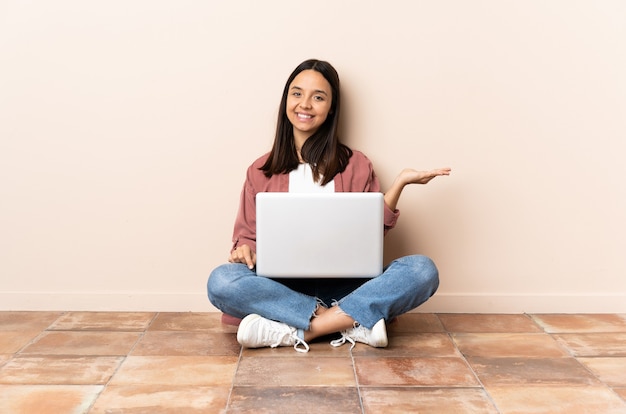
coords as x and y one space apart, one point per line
78 362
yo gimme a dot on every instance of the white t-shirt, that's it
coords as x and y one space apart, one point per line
301 181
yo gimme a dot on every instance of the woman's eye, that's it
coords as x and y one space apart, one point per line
296 94
319 98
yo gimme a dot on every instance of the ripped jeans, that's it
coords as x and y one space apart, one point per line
405 284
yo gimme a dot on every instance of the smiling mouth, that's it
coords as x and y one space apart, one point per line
304 116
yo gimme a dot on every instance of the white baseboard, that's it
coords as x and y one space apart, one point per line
198 302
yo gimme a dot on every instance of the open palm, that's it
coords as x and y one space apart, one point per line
411 176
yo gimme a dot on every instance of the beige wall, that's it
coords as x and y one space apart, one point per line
126 127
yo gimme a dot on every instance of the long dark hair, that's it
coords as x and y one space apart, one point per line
322 150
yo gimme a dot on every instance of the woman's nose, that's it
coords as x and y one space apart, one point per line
305 103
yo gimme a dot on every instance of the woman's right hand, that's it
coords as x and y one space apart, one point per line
243 254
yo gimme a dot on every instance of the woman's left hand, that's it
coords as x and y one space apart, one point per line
411 176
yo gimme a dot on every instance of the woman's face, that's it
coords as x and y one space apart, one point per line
309 99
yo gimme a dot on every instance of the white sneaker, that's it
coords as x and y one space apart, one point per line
256 332
376 337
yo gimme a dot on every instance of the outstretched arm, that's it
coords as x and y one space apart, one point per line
410 176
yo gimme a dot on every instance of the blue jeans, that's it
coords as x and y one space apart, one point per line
405 284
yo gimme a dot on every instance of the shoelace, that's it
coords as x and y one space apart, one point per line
280 339
299 341
342 340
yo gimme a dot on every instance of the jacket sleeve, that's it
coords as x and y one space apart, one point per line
390 216
245 223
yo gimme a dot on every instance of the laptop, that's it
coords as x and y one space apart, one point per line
319 235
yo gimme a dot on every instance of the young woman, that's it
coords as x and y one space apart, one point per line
308 156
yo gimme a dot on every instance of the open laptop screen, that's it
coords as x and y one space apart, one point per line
319 235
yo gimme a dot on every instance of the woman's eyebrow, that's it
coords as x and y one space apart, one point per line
316 91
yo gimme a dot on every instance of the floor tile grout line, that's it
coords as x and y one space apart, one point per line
39 335
123 359
593 374
464 357
572 353
531 318
613 390
569 354
356 381
232 384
